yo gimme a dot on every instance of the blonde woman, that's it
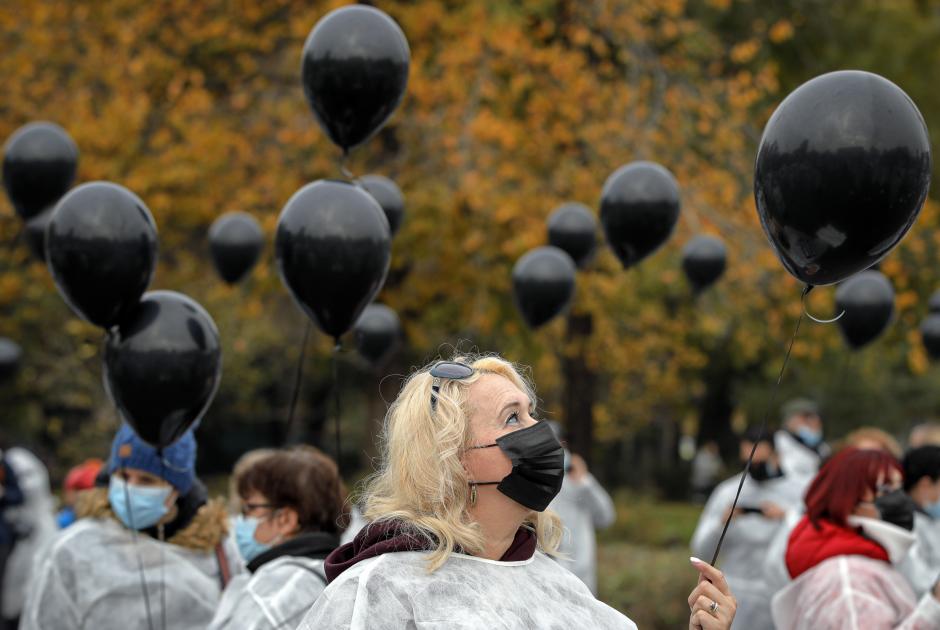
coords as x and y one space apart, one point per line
458 536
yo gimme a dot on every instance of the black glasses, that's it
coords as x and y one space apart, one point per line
449 370
248 508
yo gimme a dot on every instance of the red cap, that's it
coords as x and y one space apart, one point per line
82 477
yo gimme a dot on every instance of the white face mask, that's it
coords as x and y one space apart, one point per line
897 541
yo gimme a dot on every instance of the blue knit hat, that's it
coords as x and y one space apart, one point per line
178 464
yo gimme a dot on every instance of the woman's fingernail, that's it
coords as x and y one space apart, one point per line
695 560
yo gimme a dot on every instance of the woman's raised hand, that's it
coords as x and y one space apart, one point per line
712 604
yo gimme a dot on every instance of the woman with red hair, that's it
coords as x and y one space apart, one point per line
841 554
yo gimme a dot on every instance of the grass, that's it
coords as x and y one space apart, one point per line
643 561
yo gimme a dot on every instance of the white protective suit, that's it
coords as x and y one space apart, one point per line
395 590
853 593
34 521
583 506
277 595
921 567
746 543
89 578
797 459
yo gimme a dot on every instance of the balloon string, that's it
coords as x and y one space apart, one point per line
806 291
343 168
162 563
140 560
763 427
337 407
298 375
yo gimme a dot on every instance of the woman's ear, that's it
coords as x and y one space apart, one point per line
288 521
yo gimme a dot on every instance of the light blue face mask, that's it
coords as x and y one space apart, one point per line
933 509
809 437
248 546
138 507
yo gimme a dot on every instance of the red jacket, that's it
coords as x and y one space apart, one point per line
811 544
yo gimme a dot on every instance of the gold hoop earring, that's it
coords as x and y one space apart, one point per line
473 495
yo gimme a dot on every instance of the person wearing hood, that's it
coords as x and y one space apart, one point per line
148 551
800 442
922 484
583 506
458 535
768 499
291 504
842 554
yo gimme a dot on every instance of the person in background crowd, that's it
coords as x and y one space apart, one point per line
10 497
924 434
291 504
78 479
458 533
148 549
922 484
873 438
243 463
583 506
768 496
800 443
34 524
842 554
706 466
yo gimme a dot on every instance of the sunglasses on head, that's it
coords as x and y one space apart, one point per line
450 370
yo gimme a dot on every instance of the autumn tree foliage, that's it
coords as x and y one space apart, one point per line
511 110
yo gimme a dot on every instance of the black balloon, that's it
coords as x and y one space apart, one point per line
573 229
10 355
36 233
101 247
703 260
842 171
333 248
377 333
639 209
235 241
934 303
39 163
389 196
163 365
543 284
354 72
930 333
868 301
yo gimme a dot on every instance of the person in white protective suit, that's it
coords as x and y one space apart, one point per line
583 507
922 484
291 504
842 554
34 524
458 536
767 498
147 552
799 443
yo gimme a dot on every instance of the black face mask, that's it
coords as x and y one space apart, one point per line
896 508
762 471
538 461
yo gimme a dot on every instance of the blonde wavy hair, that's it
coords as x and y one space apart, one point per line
421 481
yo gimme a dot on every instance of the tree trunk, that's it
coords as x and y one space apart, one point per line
579 394
717 405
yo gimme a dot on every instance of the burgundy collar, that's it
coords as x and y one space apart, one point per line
392 537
